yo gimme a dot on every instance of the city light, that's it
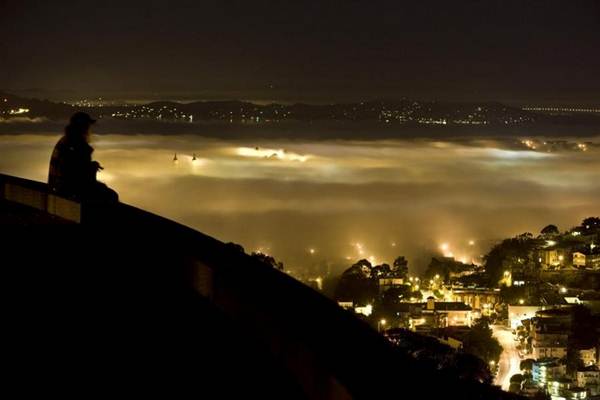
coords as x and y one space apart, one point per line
18 111
266 153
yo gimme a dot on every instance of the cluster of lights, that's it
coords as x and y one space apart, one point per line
270 154
551 146
562 109
18 111
530 144
149 112
447 252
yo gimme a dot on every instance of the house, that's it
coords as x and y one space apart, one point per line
549 341
557 387
589 378
483 299
453 336
575 393
522 311
579 259
346 305
389 283
588 356
588 258
448 313
551 258
545 370
441 314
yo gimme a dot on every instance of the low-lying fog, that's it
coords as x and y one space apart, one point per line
393 197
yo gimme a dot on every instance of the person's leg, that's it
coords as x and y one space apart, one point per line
100 193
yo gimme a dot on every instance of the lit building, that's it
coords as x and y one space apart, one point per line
444 314
588 259
478 298
549 258
364 310
549 342
588 356
579 259
575 393
557 387
389 283
589 378
520 312
545 370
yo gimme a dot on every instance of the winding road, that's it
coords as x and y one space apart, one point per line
509 359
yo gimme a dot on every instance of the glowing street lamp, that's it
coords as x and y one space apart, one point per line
521 301
380 324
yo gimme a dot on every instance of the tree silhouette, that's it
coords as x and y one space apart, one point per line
550 230
400 268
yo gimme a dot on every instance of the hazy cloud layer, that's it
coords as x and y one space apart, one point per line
393 196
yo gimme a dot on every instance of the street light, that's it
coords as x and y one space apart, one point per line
521 301
381 323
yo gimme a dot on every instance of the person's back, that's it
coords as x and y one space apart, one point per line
72 172
71 167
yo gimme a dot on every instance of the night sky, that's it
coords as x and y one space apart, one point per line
512 51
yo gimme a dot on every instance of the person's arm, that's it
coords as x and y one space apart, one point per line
83 169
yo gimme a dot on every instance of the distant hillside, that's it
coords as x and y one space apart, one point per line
381 112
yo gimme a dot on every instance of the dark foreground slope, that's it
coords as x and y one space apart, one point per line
124 302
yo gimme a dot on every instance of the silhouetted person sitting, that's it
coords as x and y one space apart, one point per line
72 171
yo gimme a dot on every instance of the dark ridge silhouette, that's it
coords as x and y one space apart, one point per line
114 299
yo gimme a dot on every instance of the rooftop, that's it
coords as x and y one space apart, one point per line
450 306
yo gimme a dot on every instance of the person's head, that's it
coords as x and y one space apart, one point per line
79 126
